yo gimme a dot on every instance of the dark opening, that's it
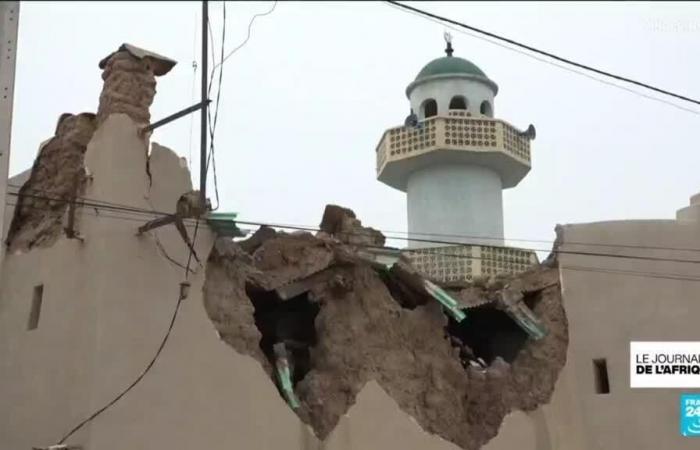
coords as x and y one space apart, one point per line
600 372
289 321
531 299
486 333
486 108
37 298
458 102
429 108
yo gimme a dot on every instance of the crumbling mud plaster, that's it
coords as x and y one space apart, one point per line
129 82
362 331
57 176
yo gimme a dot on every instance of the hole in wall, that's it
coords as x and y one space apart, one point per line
487 333
290 321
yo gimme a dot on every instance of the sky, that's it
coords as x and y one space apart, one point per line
306 100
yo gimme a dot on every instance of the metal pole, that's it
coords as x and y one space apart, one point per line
9 18
204 130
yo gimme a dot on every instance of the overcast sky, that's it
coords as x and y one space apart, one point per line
305 102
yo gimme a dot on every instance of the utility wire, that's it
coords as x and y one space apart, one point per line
245 41
542 52
165 337
669 276
657 275
567 252
554 64
88 202
211 157
152 213
136 380
163 341
194 79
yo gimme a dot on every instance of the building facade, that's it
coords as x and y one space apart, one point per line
81 318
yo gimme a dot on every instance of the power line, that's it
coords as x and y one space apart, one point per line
136 380
669 276
554 64
483 258
448 243
211 157
542 52
194 79
245 41
118 207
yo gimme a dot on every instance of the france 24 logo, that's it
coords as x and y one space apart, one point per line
690 415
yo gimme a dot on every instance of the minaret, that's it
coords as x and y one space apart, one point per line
452 157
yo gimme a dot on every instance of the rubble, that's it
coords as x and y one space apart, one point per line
342 224
57 177
345 320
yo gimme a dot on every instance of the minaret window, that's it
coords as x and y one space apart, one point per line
458 102
486 108
429 108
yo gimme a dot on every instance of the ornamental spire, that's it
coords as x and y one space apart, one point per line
448 39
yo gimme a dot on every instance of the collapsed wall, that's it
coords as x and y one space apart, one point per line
58 176
345 320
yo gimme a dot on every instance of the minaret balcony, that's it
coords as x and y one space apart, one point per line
458 138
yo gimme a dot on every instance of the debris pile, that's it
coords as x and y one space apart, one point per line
57 177
342 224
323 320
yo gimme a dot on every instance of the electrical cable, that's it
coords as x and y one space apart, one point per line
493 258
194 79
542 52
410 239
551 63
450 243
496 259
245 41
211 157
133 383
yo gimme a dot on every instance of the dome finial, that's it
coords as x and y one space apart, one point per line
448 39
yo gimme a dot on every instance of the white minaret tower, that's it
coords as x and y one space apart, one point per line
453 158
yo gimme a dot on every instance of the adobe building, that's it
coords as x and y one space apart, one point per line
85 301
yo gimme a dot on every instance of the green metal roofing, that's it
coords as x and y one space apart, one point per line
450 65
224 224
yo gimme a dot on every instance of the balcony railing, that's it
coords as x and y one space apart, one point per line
459 131
464 262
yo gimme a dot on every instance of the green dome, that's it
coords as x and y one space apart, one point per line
450 65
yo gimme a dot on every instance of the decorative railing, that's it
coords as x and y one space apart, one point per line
458 131
464 262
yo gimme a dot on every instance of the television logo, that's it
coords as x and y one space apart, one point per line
690 415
